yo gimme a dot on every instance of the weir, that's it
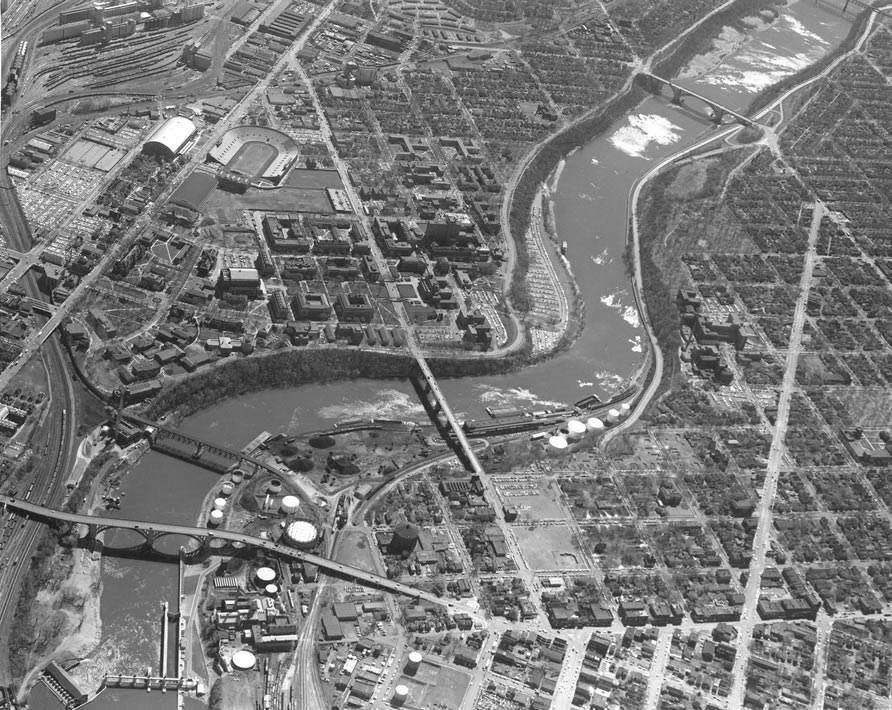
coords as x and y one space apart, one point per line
148 682
165 609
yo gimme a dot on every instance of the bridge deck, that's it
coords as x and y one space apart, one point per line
459 433
711 102
204 533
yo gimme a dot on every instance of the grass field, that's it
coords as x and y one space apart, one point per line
436 686
356 552
314 179
252 159
548 547
226 206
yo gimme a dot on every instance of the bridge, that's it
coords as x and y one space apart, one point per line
435 402
654 82
214 457
151 532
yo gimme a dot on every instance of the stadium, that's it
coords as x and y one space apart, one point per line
255 152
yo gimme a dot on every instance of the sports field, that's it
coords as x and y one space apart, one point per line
252 159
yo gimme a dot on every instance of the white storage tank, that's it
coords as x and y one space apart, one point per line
400 695
271 589
215 518
575 429
237 476
274 487
613 416
265 575
219 503
226 489
243 660
594 425
557 443
414 662
624 409
290 504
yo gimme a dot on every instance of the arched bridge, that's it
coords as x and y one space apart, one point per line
152 532
656 83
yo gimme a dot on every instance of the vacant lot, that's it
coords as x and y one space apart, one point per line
549 547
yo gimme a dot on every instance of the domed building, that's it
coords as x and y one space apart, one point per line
404 540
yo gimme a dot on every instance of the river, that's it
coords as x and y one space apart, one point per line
590 213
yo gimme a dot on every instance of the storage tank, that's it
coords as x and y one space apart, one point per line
594 425
414 662
271 589
219 503
575 429
290 504
265 575
557 443
226 489
400 695
624 409
215 518
243 660
274 487
301 534
405 539
613 416
237 476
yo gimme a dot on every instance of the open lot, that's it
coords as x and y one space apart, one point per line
357 552
549 547
436 686
285 199
314 179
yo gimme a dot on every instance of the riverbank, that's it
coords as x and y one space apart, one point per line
770 94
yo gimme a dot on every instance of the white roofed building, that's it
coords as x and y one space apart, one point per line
170 137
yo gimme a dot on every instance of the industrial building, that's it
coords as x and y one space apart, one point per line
169 139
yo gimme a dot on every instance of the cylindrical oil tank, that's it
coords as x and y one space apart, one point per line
290 504
594 425
575 429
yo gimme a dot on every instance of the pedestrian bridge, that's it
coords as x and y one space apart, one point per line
655 83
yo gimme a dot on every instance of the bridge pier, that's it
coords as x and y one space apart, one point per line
677 94
718 115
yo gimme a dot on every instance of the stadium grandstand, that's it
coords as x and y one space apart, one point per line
256 152
170 137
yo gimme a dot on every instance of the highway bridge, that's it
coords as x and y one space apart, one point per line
152 532
429 387
719 112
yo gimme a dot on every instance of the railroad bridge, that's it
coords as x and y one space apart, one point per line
655 83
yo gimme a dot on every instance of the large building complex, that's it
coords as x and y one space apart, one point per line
255 152
169 139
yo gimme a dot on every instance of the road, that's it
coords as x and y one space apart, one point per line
339 568
765 512
658 668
